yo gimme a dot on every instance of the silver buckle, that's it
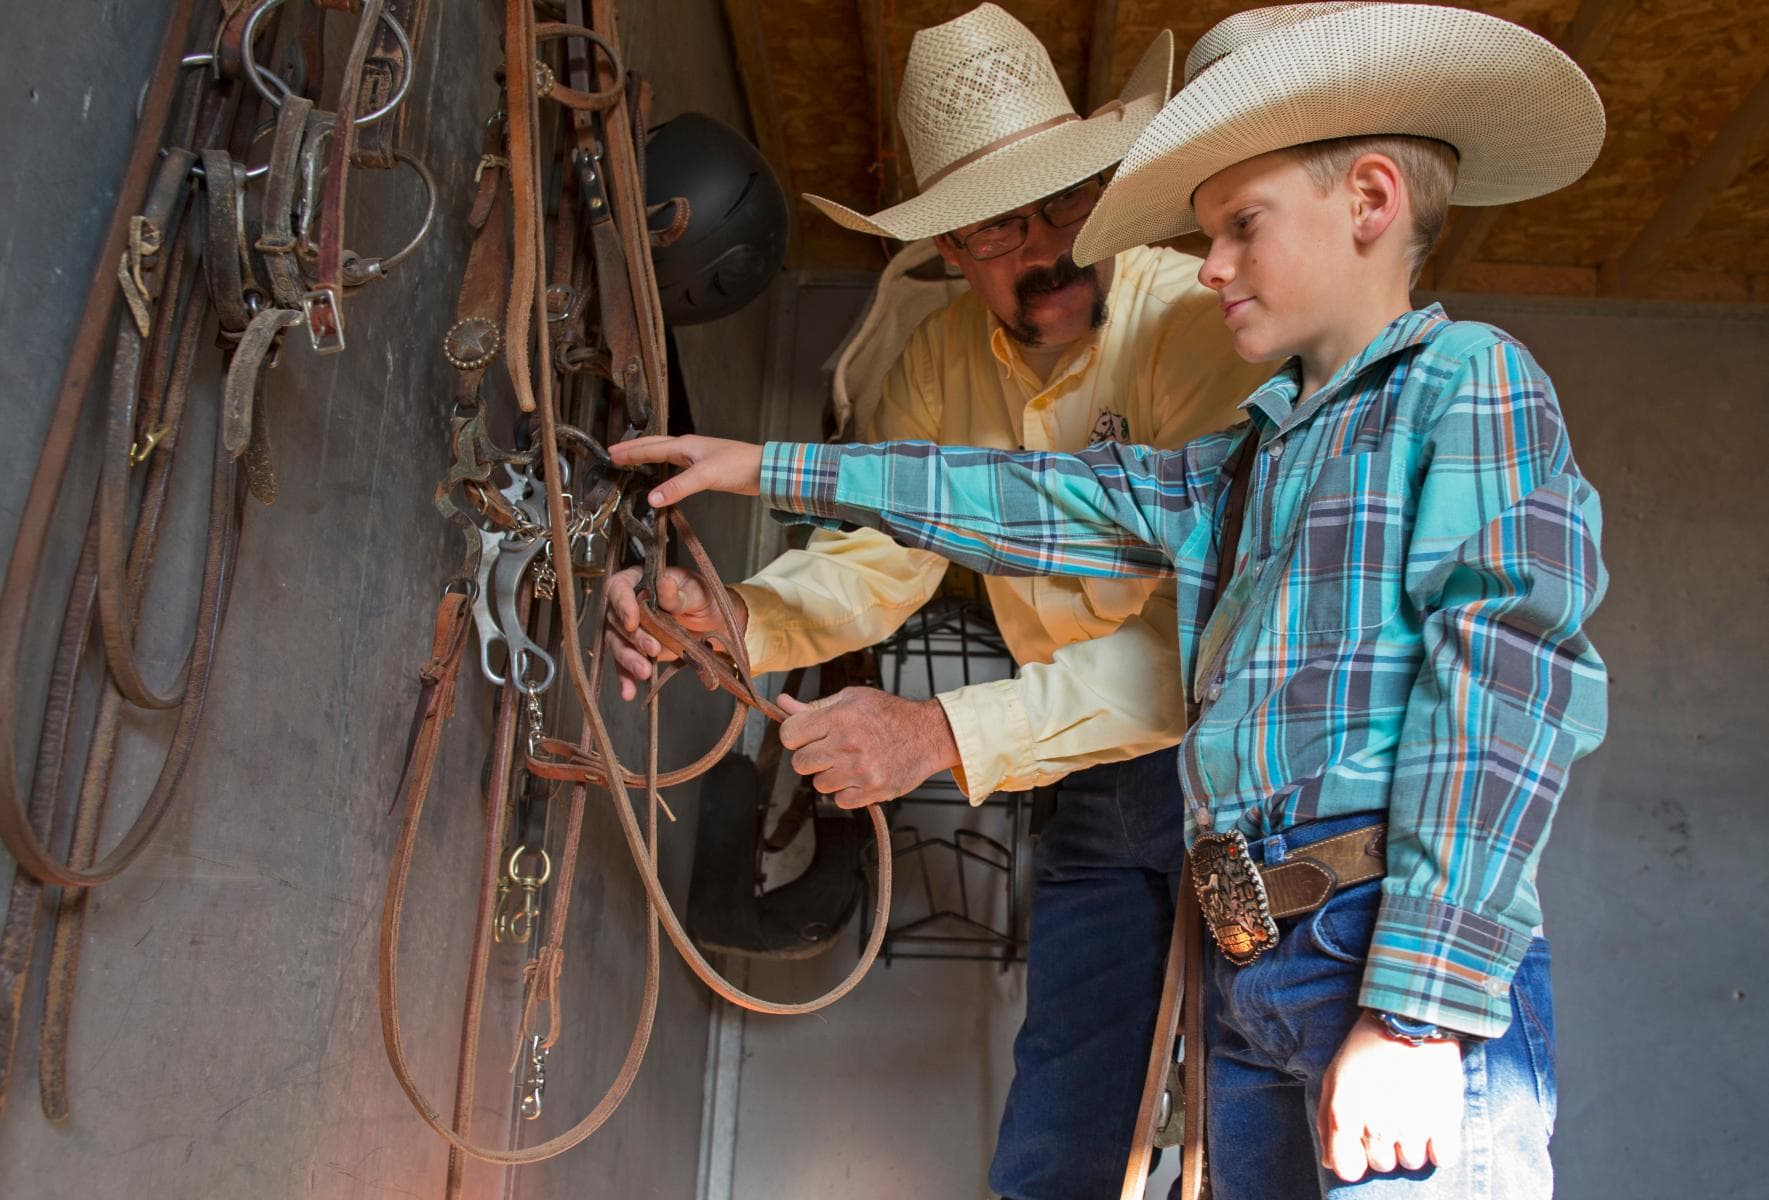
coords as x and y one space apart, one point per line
325 320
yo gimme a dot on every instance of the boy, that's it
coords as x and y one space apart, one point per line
1393 678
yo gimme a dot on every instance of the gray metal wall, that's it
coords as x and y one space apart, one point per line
225 1037
1653 881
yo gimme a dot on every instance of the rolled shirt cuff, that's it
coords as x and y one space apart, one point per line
767 649
1450 966
992 733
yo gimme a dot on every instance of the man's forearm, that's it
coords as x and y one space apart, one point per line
842 592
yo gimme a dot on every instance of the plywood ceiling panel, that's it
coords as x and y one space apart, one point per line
1671 75
1735 230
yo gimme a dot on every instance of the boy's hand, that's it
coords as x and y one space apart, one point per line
682 594
863 746
1386 1104
713 465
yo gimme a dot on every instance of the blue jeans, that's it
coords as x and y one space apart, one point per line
1102 911
1273 1028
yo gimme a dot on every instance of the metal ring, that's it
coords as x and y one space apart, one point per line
381 266
258 75
189 60
429 181
196 168
517 877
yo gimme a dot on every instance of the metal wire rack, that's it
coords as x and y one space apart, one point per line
971 880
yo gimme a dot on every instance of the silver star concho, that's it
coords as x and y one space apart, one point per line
472 343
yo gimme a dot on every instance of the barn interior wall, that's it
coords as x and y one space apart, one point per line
225 1037
1651 882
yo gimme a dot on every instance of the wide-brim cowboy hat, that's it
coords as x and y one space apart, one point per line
1522 117
989 127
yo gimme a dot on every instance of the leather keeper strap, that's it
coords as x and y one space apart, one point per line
329 270
276 240
382 72
1303 883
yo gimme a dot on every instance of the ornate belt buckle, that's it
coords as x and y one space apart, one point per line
1232 896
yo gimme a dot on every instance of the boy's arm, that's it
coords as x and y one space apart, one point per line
1113 510
1504 565
850 589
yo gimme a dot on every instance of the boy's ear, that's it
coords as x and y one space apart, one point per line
1378 193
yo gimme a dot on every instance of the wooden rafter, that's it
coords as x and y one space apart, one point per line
1587 35
1099 54
875 52
1718 165
750 46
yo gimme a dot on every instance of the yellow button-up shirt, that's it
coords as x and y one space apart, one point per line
1096 680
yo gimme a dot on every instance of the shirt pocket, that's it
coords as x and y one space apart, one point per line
1342 572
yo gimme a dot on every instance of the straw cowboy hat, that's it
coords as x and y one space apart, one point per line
989 127
1522 116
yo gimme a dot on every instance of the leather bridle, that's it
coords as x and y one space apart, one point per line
583 345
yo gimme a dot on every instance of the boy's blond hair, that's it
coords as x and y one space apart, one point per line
1427 165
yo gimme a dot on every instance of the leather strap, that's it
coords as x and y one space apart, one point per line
1194 1163
475 339
221 254
18 936
1228 545
1173 986
239 393
1185 960
40 502
1304 881
329 270
115 602
95 787
276 240
503 745
436 702
385 66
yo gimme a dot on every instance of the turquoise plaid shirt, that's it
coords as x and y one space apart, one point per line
1405 631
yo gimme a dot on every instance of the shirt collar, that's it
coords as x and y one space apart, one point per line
1276 399
1013 365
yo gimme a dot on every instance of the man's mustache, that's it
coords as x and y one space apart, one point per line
1040 281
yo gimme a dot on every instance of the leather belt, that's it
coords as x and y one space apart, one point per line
1306 879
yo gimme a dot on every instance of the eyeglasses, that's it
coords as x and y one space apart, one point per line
1009 233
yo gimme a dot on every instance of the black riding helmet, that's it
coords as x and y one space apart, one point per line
735 240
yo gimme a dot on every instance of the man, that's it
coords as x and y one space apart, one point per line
1038 355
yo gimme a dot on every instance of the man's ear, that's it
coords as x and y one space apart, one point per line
948 248
1378 194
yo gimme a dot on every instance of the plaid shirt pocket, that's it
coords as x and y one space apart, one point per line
1344 569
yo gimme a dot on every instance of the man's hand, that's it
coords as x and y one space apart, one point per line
1385 1103
682 594
713 465
863 746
